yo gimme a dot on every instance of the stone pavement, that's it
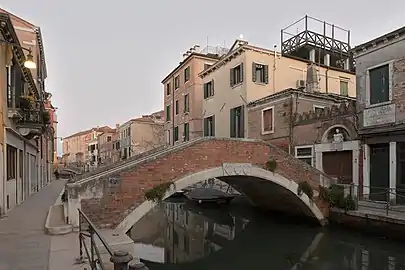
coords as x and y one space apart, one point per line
23 242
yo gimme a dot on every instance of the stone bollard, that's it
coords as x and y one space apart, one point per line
137 265
120 259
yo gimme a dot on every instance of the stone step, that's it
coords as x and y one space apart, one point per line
371 204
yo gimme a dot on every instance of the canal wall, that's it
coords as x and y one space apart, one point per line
392 227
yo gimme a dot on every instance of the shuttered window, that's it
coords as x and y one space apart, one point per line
209 89
236 75
260 73
379 84
237 122
267 120
209 126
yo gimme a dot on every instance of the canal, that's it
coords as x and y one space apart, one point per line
181 235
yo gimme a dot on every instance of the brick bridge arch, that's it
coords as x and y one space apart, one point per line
114 198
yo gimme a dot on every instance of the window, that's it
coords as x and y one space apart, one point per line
268 120
168 89
11 160
260 73
318 109
187 74
207 66
209 89
168 136
186 132
176 82
236 75
176 134
9 86
304 153
209 126
108 138
237 123
168 113
176 107
379 84
344 87
186 103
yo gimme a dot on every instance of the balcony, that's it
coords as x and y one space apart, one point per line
32 122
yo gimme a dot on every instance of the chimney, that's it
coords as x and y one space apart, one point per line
117 126
312 79
196 48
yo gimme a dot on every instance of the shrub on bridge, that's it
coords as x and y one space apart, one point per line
271 165
157 193
305 188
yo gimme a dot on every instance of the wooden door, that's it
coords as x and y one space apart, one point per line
379 171
339 164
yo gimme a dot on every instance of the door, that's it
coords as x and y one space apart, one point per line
401 172
339 165
379 171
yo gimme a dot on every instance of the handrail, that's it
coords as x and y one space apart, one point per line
93 255
387 202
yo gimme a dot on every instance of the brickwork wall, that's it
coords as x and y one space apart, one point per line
116 203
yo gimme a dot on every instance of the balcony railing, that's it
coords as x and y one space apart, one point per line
31 117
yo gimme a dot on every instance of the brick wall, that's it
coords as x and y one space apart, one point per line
116 203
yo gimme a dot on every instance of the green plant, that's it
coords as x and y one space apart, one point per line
27 101
335 196
305 187
46 117
271 165
349 203
157 193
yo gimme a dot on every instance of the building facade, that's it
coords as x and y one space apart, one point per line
248 73
317 128
140 135
107 147
26 127
183 96
380 72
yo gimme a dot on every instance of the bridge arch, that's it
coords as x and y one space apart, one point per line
227 173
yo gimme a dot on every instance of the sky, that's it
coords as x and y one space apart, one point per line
106 59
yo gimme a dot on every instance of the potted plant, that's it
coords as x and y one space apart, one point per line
27 101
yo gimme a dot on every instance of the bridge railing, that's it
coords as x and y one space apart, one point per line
89 250
381 200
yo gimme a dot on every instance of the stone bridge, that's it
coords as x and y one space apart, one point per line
115 198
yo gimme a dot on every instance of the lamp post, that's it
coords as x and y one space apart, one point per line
29 61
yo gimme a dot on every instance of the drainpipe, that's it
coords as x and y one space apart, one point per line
173 111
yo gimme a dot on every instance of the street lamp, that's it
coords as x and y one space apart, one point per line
29 61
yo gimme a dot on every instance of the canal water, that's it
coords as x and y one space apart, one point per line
182 235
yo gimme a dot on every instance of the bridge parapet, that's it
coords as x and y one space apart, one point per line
109 196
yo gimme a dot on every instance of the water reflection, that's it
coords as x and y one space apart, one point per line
182 235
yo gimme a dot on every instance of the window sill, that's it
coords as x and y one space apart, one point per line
236 85
261 83
187 113
267 132
209 98
378 104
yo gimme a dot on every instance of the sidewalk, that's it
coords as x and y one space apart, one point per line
23 242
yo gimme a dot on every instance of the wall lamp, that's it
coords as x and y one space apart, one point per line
29 61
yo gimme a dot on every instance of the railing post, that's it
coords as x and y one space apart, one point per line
134 265
388 201
120 259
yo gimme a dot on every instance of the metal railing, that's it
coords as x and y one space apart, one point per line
90 249
386 200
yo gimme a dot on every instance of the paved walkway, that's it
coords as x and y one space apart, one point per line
23 242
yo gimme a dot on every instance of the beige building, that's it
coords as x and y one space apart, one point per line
75 147
25 154
107 147
141 134
248 73
183 95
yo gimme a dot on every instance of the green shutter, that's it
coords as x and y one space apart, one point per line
205 127
213 126
266 74
232 123
254 72
231 82
205 90
241 72
242 122
212 87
